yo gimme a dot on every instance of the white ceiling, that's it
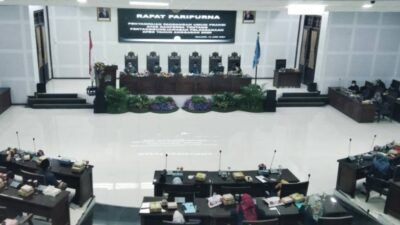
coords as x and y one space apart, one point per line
331 5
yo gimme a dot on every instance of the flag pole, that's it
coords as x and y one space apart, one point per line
90 57
258 35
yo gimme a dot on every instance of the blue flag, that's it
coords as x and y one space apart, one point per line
257 53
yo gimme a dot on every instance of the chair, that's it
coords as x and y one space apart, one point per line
3 169
195 59
262 222
233 60
288 189
214 60
396 173
34 176
174 60
345 220
189 222
235 189
374 183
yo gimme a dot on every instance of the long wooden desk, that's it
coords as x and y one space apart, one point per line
287 78
215 183
350 172
392 205
221 215
57 208
362 113
81 182
188 85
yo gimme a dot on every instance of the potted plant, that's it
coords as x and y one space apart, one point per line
116 99
161 104
138 103
197 104
251 98
224 102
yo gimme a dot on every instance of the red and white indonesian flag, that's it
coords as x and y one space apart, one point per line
91 74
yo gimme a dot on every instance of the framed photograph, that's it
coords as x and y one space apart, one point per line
103 14
249 16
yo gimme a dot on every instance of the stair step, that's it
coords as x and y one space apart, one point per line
300 104
301 94
303 99
62 106
57 95
56 101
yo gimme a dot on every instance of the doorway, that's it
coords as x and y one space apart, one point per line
41 46
309 48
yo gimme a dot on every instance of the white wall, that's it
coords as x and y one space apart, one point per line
358 46
69 28
16 61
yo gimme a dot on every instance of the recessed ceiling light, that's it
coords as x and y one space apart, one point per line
81 1
367 6
306 9
149 3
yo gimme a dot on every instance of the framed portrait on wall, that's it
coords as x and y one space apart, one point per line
103 14
249 16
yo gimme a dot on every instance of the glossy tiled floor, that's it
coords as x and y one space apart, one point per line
126 149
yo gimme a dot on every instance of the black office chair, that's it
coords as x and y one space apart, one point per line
373 183
189 222
235 189
3 169
345 220
396 173
262 222
288 189
33 176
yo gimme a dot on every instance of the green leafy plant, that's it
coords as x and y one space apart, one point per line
224 102
116 99
138 103
251 98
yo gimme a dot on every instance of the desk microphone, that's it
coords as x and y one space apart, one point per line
373 143
351 158
272 161
34 144
166 161
309 175
219 163
19 143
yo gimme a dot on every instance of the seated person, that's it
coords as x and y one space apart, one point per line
219 70
49 177
238 70
176 70
381 167
245 210
157 68
130 69
393 92
380 86
195 69
354 87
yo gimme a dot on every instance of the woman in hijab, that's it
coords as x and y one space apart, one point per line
245 210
